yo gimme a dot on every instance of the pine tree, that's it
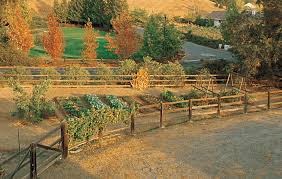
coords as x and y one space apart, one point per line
90 44
53 40
76 10
127 41
19 34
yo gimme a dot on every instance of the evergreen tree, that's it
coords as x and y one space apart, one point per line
76 10
161 38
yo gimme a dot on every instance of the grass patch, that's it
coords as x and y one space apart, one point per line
74 44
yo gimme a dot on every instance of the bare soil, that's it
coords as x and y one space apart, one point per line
246 146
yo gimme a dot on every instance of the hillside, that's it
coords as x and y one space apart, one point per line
170 7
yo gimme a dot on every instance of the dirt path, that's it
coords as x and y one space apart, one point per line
248 146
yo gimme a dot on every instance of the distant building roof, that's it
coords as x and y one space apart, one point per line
217 15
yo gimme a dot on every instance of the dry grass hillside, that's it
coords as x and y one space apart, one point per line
170 7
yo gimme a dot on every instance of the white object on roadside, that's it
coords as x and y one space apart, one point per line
220 46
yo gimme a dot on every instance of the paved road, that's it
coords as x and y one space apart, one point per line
196 52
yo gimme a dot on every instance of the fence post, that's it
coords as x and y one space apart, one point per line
132 124
161 115
218 105
245 103
268 100
190 109
65 140
33 166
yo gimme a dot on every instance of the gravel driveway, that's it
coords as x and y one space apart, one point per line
247 146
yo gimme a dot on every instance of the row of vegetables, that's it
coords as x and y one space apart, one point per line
74 106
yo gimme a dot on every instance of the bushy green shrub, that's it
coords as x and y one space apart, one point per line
193 94
104 72
12 57
88 125
207 36
153 67
204 22
175 69
20 73
217 66
33 107
76 73
51 73
168 96
127 67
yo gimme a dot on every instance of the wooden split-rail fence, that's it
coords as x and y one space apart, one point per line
35 159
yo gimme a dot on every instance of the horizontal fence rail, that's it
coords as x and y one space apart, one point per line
107 80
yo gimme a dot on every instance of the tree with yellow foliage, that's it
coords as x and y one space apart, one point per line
53 40
126 41
90 44
19 34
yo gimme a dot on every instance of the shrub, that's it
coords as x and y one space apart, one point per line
207 36
153 67
168 96
127 67
74 73
204 22
217 66
21 73
51 73
104 72
173 69
86 126
12 57
193 94
33 107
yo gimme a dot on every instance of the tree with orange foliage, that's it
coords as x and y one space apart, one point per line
126 41
53 40
19 34
90 44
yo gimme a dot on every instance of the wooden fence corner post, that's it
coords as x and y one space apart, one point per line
245 103
268 99
190 109
218 105
161 115
65 140
132 124
33 166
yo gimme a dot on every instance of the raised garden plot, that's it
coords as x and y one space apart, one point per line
94 101
116 103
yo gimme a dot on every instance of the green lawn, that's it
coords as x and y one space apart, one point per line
74 45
